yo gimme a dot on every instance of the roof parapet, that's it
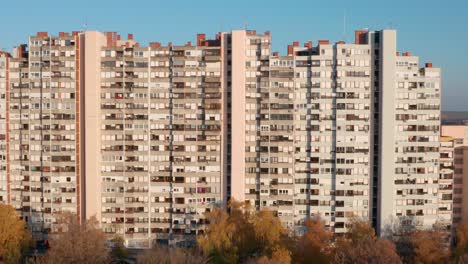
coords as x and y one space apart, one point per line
360 37
42 34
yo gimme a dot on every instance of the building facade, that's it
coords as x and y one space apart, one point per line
406 132
302 124
446 212
160 139
3 88
150 138
43 141
459 161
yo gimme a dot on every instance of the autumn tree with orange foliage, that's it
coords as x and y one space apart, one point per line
14 237
77 243
429 247
461 242
227 235
361 246
169 255
270 234
315 245
245 236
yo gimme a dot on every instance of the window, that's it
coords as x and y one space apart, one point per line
459 151
138 54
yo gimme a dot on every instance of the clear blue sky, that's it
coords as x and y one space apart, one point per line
437 31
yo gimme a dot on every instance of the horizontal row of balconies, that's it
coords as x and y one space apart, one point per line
146 220
271 193
144 209
133 106
157 138
174 127
177 229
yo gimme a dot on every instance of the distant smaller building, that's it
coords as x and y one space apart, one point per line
459 138
445 195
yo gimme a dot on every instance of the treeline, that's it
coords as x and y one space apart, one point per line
240 236
244 236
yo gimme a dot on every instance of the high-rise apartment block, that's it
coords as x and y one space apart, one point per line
301 126
406 134
43 129
150 138
456 166
446 211
3 112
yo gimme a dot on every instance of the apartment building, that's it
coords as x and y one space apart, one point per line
160 138
150 138
129 134
459 158
302 125
331 130
43 141
406 128
3 163
446 171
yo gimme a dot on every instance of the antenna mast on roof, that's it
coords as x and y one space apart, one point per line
85 25
344 25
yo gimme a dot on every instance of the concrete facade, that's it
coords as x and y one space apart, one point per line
446 212
407 125
459 168
3 112
43 150
150 138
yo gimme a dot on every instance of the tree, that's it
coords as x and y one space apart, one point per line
461 242
14 237
78 243
218 240
429 247
314 246
270 234
399 230
361 246
119 252
280 256
242 235
166 255
228 236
